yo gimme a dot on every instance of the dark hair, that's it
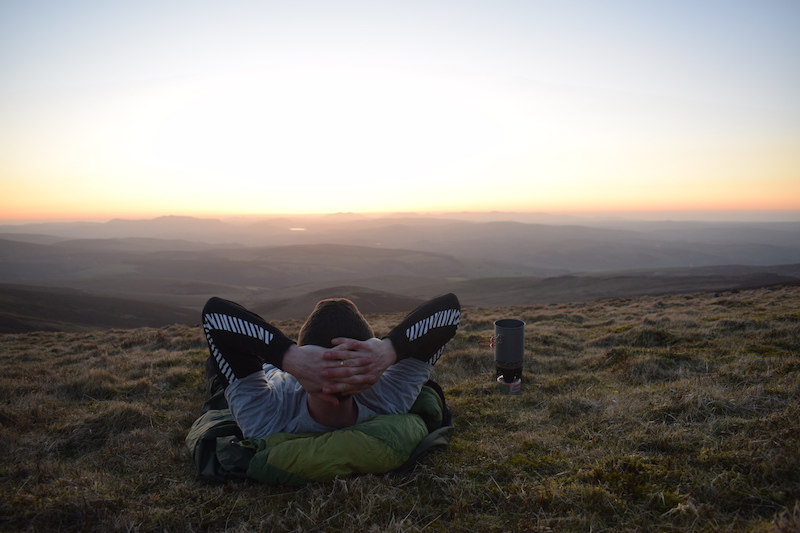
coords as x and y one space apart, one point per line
331 318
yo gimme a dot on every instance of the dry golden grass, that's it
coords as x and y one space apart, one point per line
663 413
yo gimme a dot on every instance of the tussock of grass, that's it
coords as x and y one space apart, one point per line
95 430
636 414
93 384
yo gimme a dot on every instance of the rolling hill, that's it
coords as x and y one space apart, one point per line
282 266
54 309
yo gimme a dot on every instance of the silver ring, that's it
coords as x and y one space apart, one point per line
341 362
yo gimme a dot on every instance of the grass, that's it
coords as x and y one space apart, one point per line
675 413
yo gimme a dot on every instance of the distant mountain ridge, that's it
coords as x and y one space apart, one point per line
593 247
282 266
538 249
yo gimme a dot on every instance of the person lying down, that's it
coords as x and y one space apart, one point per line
337 374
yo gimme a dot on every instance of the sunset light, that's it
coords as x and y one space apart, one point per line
197 109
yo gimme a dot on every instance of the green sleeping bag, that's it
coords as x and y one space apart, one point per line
381 445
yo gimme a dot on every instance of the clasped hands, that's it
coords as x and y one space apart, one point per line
350 367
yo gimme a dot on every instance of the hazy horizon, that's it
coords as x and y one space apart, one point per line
496 215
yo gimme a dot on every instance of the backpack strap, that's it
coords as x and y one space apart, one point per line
435 440
215 442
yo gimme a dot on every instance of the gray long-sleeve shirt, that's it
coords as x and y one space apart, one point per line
273 401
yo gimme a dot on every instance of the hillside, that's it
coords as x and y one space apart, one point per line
367 301
51 309
137 302
562 289
658 413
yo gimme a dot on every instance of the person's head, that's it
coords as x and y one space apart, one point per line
331 318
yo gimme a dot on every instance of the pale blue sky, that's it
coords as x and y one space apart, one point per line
178 107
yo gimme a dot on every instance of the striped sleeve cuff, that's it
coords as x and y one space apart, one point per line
424 333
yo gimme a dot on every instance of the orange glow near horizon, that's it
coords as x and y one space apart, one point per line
784 208
658 190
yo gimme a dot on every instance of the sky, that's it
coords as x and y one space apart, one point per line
146 108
